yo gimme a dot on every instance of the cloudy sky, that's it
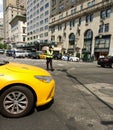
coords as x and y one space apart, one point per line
1 8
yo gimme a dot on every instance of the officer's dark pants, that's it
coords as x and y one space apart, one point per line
49 63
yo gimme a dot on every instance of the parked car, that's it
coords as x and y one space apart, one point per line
42 55
9 52
26 53
1 51
33 55
74 58
71 58
105 61
19 54
23 87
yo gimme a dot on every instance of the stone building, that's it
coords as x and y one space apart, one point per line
82 27
1 31
11 8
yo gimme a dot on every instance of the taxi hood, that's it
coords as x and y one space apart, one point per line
24 68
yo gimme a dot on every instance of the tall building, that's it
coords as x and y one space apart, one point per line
82 28
38 13
18 31
1 31
11 8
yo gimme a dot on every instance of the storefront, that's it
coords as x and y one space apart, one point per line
102 44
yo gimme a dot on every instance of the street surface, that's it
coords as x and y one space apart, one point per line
83 99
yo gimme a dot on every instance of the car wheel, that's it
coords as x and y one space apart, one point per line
103 66
71 59
16 101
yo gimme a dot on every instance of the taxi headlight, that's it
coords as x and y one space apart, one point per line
45 79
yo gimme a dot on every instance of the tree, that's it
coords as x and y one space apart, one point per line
1 46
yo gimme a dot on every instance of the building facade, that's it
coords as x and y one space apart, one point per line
1 31
82 27
11 8
18 31
38 14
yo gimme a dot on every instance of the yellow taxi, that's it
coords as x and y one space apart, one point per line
22 87
42 56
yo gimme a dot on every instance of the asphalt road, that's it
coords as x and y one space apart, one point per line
83 99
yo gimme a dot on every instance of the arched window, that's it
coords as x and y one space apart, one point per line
59 39
72 39
88 34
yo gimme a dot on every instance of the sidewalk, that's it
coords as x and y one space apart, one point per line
102 91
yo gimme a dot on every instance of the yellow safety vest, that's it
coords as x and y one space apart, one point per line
49 54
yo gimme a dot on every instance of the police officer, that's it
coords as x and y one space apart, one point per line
49 58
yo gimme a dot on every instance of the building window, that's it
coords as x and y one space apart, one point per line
91 3
107 27
59 27
73 11
61 16
64 26
41 22
101 28
67 4
105 13
53 2
72 23
46 13
81 7
88 34
73 1
24 29
46 27
46 20
102 42
41 2
41 35
46 34
104 28
108 12
47 5
53 11
41 9
41 29
24 39
61 7
89 18
42 15
80 20
72 39
53 30
66 13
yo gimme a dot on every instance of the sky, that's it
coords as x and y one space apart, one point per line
1 8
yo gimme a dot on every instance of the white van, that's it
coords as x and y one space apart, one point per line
19 54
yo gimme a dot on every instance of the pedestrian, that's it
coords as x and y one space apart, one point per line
14 54
68 56
49 58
